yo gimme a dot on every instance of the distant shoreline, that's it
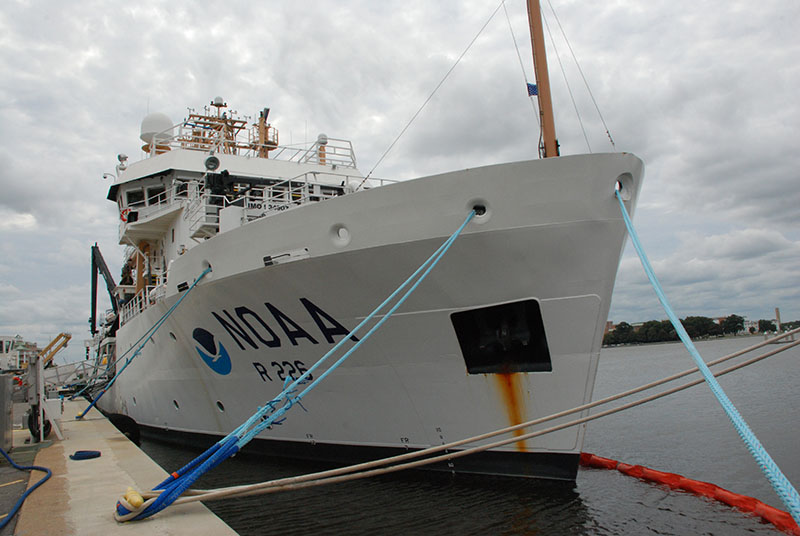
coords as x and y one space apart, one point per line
698 339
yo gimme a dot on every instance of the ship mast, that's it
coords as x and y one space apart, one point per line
542 81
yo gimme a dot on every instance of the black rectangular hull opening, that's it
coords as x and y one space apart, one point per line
505 338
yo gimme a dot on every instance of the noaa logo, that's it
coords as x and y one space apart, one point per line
220 362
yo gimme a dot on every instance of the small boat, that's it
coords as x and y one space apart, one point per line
302 246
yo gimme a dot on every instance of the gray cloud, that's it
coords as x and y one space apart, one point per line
703 92
746 272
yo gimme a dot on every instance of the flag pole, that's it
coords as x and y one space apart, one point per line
549 141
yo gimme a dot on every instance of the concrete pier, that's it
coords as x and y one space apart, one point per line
80 496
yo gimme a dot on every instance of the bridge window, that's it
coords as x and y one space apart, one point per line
156 195
181 189
134 197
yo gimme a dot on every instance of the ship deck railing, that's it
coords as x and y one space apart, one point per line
152 262
240 141
158 204
203 211
62 375
136 303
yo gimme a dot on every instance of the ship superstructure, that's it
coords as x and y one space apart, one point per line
207 175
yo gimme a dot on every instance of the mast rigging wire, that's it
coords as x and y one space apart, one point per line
563 72
585 82
566 81
522 68
386 152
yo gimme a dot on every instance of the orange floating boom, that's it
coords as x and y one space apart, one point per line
782 520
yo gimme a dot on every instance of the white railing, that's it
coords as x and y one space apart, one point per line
136 304
203 212
333 152
231 137
63 375
156 205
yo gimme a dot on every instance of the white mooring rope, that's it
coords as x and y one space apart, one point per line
376 467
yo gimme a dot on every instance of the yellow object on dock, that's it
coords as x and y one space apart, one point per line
134 498
81 495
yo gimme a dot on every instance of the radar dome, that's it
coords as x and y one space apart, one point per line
156 125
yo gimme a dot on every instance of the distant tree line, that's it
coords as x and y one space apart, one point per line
662 330
765 326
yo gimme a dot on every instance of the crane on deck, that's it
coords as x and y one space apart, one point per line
99 266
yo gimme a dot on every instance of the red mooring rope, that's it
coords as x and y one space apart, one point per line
782 520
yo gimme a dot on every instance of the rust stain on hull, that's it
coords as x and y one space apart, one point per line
513 395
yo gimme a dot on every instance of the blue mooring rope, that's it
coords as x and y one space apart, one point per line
780 483
151 331
267 415
30 490
430 263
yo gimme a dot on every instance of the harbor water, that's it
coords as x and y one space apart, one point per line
686 433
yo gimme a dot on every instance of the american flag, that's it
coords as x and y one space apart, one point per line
533 89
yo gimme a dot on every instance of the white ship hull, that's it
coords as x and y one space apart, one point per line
552 235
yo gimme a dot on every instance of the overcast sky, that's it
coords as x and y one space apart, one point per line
706 93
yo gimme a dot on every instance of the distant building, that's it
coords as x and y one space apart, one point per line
609 327
16 353
8 353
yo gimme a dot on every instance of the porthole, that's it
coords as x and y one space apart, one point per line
340 235
134 400
175 403
172 336
220 406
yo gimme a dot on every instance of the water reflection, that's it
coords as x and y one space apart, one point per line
413 502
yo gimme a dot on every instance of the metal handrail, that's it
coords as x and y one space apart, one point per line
280 196
136 305
334 151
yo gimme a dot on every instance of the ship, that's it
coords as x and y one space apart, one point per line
298 246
